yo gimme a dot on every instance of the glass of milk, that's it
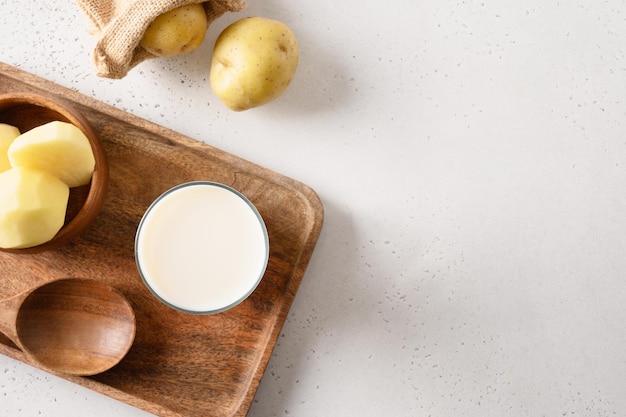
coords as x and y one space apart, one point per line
201 247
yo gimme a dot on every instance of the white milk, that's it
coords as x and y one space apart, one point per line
201 247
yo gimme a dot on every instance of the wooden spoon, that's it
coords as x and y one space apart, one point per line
72 326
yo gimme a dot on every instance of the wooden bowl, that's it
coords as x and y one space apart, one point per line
26 111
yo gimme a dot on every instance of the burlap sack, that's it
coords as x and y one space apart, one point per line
120 24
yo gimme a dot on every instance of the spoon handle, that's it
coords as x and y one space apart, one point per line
9 308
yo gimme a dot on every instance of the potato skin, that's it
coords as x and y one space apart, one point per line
254 61
176 32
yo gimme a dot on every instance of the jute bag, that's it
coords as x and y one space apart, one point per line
120 24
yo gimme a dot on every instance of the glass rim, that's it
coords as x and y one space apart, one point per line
255 211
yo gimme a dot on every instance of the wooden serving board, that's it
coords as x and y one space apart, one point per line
180 364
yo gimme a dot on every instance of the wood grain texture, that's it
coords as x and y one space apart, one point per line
180 364
76 326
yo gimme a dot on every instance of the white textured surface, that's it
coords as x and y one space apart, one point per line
471 157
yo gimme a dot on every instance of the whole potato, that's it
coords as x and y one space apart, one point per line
33 204
177 31
254 60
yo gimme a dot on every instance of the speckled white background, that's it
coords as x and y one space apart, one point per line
471 157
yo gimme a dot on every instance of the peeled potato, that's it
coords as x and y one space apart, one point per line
59 148
8 133
33 207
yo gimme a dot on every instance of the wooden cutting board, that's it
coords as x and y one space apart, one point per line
180 364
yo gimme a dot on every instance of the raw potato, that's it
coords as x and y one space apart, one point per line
7 134
33 207
59 148
254 60
177 31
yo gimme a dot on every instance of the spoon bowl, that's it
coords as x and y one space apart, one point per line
72 326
